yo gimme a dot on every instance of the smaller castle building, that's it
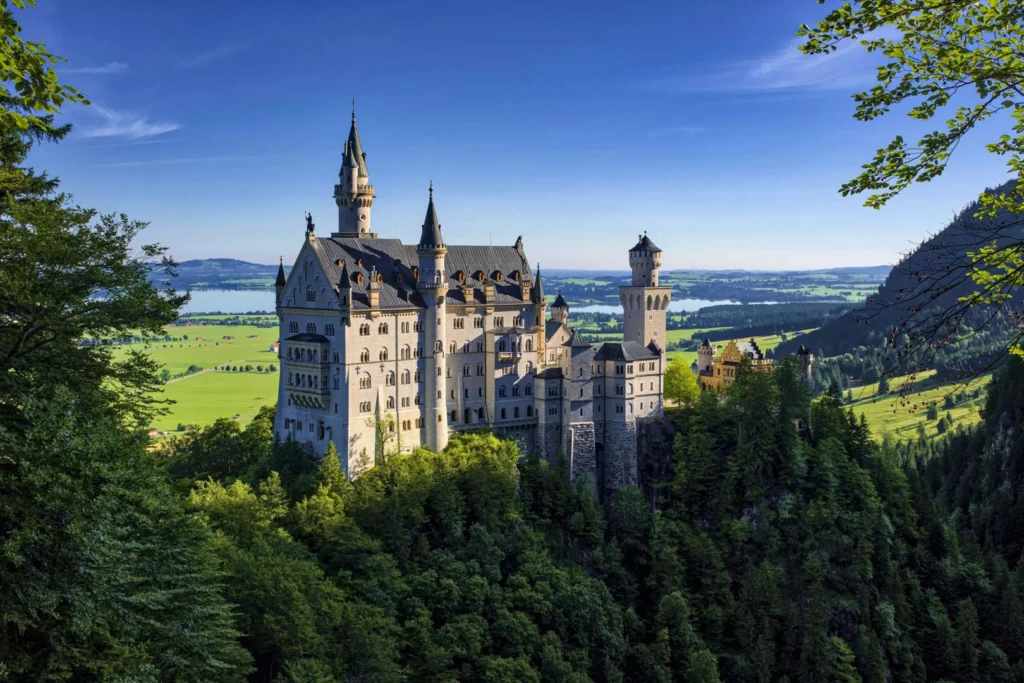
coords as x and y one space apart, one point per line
717 365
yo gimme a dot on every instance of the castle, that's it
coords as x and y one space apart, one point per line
716 366
386 346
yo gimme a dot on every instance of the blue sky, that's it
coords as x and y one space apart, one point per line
575 124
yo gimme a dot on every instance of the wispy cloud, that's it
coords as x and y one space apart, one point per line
675 130
192 160
784 70
108 68
211 55
125 125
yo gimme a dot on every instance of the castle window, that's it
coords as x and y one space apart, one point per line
382 328
629 369
480 369
405 401
364 356
501 392
364 382
460 276
499 321
459 323
581 392
335 382
448 371
417 377
311 328
437 347
452 347
406 352
581 371
479 347
465 347
501 345
480 413
336 357
515 412
497 275
502 413
359 278
529 390
320 430
529 367
364 330
479 275
517 321
529 411
478 322
515 390
515 275
529 345
466 370
389 379
419 422
364 407
405 327
383 355
391 402
405 377
416 399
310 295
416 273
467 416
455 416
293 327
329 330
416 352
416 326
581 412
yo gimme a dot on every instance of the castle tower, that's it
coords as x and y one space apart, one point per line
353 194
644 303
705 354
806 359
433 286
560 310
280 282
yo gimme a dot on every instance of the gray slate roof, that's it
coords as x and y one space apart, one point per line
645 244
431 234
559 302
624 351
390 258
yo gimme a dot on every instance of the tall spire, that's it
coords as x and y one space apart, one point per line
537 293
344 280
355 147
280 274
431 235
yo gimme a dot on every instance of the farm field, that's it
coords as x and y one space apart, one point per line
889 416
203 397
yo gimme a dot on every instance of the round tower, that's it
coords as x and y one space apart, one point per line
705 354
433 286
560 310
645 302
353 194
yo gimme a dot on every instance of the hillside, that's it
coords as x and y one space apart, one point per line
930 280
221 273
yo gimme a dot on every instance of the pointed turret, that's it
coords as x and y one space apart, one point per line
280 274
537 293
344 280
430 237
355 147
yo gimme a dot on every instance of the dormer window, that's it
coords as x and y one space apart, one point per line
479 275
416 273
380 277
340 262
359 262
497 276
460 276
359 278
515 276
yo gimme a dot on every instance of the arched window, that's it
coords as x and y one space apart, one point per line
466 370
455 416
335 382
581 371
320 430
382 328
437 347
383 355
529 345
529 411
364 356
480 414
502 413
364 330
516 412
406 352
501 392
468 416
480 369
451 347
391 402
389 379
405 377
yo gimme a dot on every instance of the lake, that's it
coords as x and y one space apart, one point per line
250 301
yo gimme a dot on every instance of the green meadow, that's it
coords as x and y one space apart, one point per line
200 399
898 416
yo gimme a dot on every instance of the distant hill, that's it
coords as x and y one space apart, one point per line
940 259
222 273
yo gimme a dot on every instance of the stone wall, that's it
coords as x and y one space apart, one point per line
582 454
548 441
655 445
620 448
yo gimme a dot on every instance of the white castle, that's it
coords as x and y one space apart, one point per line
388 347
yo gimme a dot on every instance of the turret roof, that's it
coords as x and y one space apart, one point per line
644 243
280 275
344 280
559 302
355 147
537 293
431 234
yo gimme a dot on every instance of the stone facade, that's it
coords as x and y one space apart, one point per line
716 365
389 347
